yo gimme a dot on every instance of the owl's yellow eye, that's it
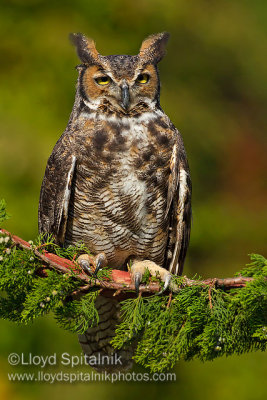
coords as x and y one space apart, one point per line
143 78
103 80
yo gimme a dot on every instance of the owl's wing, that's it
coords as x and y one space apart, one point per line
179 209
55 192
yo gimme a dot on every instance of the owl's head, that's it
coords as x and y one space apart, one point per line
120 83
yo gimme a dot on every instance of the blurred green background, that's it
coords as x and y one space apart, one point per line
214 88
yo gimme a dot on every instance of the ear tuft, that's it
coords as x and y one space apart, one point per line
86 49
153 48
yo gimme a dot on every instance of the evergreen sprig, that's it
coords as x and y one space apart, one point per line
198 321
25 295
78 315
3 213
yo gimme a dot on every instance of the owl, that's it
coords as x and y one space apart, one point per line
118 178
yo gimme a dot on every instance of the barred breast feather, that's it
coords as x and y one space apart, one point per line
118 201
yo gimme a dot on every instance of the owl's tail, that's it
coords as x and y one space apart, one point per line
95 342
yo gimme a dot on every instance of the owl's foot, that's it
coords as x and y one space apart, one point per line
90 264
138 268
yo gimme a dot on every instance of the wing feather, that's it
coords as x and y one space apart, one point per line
173 177
56 191
179 209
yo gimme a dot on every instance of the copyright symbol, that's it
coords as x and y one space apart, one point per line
13 359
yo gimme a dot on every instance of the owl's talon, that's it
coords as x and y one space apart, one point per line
86 266
167 281
91 265
98 267
100 262
86 262
137 281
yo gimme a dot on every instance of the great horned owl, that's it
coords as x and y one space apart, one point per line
118 178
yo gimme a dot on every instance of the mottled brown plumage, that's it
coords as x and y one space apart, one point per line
118 178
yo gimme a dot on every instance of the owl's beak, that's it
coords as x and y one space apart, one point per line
125 96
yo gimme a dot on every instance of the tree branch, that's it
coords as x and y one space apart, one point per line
120 281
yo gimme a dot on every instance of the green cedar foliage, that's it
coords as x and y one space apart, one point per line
3 214
199 321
